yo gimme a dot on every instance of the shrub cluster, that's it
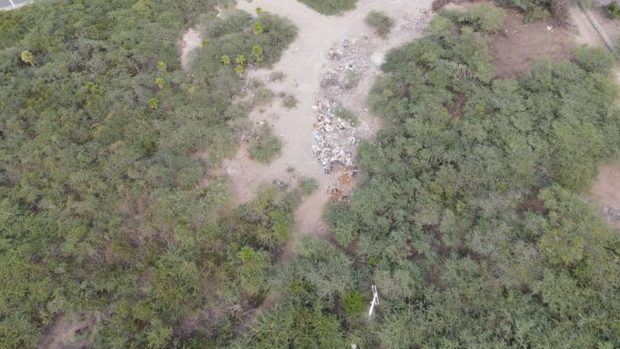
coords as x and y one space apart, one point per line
330 7
380 21
104 211
470 224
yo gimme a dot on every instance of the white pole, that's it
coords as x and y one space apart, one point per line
374 302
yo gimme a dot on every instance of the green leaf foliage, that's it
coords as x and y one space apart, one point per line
106 209
469 219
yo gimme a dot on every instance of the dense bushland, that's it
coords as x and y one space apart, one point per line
468 217
330 7
103 211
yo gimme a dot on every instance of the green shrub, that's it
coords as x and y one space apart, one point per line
330 7
347 115
289 101
353 302
380 21
481 17
594 59
536 10
265 146
613 10
263 96
125 223
308 185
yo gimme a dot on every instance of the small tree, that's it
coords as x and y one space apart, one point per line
257 28
380 21
162 67
160 82
257 52
240 67
225 59
154 103
27 57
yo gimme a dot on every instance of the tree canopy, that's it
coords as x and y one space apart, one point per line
104 215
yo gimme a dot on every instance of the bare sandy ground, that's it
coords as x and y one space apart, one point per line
606 191
304 65
191 40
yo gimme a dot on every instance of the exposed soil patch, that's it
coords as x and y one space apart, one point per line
68 333
585 32
191 40
518 45
606 191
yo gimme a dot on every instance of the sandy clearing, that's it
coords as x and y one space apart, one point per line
191 40
304 64
606 191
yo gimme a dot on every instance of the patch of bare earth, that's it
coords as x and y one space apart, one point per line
611 26
518 45
606 191
191 40
68 333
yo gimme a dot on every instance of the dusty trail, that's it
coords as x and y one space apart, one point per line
304 64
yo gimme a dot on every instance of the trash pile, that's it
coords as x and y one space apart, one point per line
335 138
347 74
348 61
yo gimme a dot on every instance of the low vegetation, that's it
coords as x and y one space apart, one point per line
265 146
330 7
469 223
103 209
347 115
467 218
380 21
308 185
289 101
613 10
536 10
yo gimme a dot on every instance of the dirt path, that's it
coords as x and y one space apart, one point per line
305 64
191 40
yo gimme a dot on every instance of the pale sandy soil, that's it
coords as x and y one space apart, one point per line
304 64
191 40
606 191
586 34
